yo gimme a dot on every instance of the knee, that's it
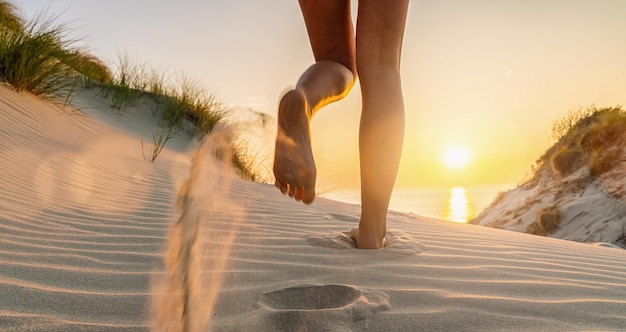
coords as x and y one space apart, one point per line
351 64
345 62
374 65
377 74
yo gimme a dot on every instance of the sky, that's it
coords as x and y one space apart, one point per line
490 76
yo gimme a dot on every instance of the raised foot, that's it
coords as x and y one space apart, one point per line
294 167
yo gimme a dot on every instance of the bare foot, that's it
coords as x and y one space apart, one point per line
294 167
366 241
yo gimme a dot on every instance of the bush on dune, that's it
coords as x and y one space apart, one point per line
592 138
567 160
547 221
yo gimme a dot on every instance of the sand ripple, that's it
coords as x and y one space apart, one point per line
84 223
83 219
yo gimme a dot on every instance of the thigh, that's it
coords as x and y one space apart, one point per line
380 30
329 25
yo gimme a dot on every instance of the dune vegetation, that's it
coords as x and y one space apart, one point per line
593 138
577 186
36 56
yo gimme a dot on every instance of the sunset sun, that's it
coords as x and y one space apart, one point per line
457 157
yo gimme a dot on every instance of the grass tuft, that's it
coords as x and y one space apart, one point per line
567 160
90 70
248 165
36 59
126 85
159 140
547 221
9 19
604 159
189 101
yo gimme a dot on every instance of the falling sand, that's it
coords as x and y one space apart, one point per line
183 299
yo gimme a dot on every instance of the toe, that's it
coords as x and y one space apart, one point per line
308 195
292 191
281 185
299 193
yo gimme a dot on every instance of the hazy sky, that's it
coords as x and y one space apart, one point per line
491 75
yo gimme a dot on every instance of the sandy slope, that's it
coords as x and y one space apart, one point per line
591 209
84 221
82 217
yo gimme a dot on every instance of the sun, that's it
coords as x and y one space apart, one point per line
457 157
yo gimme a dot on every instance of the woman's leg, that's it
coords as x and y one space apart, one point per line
331 34
380 30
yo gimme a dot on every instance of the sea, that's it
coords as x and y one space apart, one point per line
457 204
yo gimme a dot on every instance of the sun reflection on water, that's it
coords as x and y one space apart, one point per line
458 209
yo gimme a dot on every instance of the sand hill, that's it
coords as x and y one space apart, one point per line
578 191
85 222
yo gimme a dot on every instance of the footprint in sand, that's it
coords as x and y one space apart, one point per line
395 241
318 308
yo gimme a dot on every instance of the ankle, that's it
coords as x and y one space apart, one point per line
367 238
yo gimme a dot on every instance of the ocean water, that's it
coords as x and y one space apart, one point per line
458 204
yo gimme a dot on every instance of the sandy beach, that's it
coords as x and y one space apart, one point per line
85 220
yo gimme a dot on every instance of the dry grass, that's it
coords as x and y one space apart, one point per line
567 160
592 138
547 221
604 160
569 122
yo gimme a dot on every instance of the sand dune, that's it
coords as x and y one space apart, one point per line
84 224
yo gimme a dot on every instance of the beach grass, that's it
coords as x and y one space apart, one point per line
90 70
248 164
9 19
38 57
126 84
159 140
187 100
